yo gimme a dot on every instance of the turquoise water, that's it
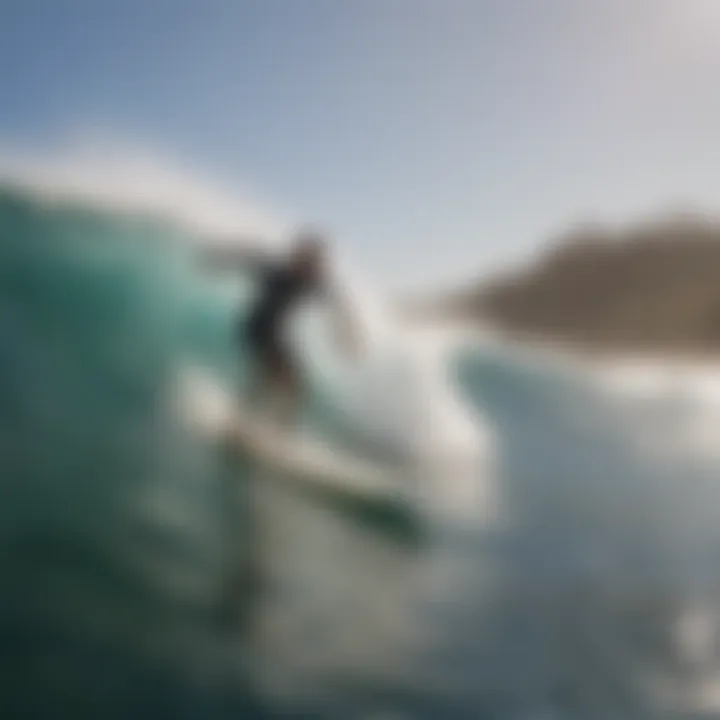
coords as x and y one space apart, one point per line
570 598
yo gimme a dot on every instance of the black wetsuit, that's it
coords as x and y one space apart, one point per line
281 289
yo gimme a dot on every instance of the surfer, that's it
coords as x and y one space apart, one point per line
284 284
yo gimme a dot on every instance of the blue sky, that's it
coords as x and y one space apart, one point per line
436 138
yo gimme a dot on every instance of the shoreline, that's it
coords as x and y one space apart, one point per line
608 354
488 331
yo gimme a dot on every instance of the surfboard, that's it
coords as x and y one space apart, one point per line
364 491
221 417
304 458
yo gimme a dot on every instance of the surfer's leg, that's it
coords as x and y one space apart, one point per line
259 390
274 382
290 399
285 380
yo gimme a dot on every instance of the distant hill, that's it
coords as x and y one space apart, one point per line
651 287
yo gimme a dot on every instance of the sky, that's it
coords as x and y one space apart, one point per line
436 139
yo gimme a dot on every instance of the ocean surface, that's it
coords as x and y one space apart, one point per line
556 555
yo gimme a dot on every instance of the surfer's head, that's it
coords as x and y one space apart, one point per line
309 251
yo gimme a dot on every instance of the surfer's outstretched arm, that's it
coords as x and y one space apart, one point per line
239 256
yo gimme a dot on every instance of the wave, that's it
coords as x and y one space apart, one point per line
108 501
583 586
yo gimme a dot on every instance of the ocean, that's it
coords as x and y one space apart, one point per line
556 555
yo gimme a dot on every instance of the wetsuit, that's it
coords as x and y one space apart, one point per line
281 289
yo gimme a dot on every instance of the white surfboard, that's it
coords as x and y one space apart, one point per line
217 415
